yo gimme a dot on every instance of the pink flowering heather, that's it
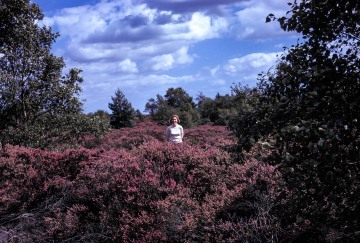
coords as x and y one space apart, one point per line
132 186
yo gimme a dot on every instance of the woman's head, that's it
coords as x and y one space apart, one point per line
174 119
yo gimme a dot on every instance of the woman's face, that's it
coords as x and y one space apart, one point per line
174 120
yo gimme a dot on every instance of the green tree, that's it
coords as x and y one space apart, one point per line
223 110
157 108
123 113
226 108
100 113
310 105
175 101
139 115
207 109
182 103
101 116
39 105
178 98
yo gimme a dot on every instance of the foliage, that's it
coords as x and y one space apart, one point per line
224 109
104 115
310 106
175 101
216 111
150 192
38 104
139 115
207 110
123 113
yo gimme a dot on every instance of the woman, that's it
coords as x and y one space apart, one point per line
174 132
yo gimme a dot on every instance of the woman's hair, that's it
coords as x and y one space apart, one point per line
177 117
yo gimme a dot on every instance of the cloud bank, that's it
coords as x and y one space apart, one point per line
146 47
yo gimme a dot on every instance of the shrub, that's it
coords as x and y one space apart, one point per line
149 191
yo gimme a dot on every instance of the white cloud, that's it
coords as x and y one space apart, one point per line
149 46
214 70
182 56
250 23
248 63
246 69
200 26
167 61
118 30
112 23
128 66
162 62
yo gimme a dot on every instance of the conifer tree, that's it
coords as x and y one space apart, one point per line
123 113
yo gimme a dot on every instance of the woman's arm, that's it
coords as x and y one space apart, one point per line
167 134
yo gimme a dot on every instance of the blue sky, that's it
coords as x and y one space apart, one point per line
144 47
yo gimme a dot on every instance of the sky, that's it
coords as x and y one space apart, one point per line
144 47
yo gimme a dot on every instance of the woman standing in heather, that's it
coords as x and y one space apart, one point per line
174 132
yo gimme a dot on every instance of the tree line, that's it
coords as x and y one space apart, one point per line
307 110
221 110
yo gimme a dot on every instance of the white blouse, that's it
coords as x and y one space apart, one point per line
174 134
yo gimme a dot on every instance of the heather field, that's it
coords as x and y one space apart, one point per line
131 186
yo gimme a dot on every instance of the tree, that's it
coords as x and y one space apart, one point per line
101 116
154 107
224 109
100 113
123 113
175 101
244 100
139 115
310 105
178 98
207 109
183 105
38 104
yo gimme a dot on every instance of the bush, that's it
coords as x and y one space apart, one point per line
148 191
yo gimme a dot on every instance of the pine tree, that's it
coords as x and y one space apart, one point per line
123 113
